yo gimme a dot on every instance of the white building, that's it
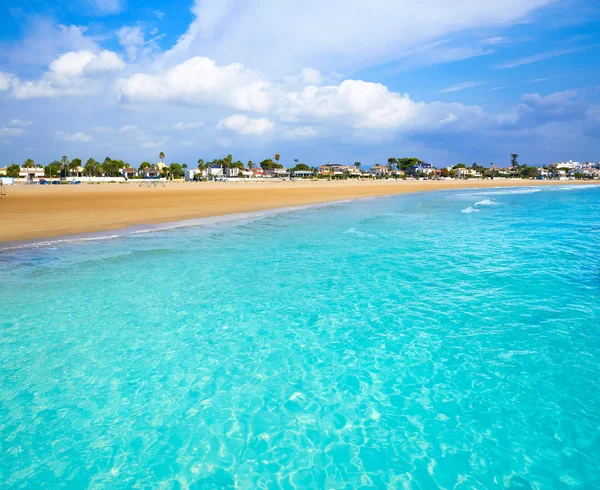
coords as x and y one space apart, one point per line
232 172
464 173
379 171
215 171
31 173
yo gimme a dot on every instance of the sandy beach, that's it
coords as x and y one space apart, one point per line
34 212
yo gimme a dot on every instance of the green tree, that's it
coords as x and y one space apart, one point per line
301 166
250 164
357 164
392 162
406 163
13 171
145 165
201 165
29 163
92 168
445 172
53 169
277 157
161 157
176 170
76 162
514 160
529 172
64 161
459 165
269 164
112 168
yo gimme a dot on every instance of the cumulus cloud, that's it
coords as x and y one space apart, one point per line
73 137
200 80
241 124
72 73
369 105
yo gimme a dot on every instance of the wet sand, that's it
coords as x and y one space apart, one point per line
34 212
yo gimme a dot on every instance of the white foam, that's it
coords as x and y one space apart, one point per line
469 210
486 202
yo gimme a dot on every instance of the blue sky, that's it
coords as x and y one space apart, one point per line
319 81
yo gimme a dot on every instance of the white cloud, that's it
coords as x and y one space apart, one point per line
200 80
106 6
181 126
128 128
368 105
131 38
73 137
339 35
72 73
540 57
20 123
311 76
159 14
460 86
4 131
6 81
241 124
496 40
301 132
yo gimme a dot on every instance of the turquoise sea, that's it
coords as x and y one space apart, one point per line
443 340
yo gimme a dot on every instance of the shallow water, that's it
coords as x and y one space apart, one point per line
393 342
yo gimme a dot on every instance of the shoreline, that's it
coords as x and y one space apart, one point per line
86 212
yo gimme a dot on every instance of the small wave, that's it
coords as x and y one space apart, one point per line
486 202
469 210
52 243
509 192
355 232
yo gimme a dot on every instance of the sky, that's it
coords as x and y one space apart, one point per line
341 81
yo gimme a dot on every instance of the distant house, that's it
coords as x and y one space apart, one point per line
150 173
232 172
277 172
246 173
129 172
542 173
465 173
31 173
303 174
423 168
379 171
258 172
214 170
191 173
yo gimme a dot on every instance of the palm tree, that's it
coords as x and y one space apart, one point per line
277 157
357 164
65 162
250 164
161 157
29 163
